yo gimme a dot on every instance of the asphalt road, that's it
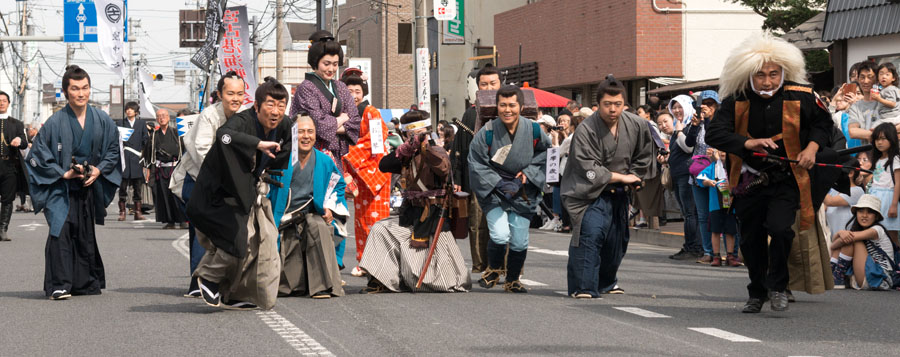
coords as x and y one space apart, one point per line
671 308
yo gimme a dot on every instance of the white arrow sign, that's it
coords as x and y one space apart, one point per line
81 18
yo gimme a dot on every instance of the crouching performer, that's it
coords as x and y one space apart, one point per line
396 250
313 219
229 207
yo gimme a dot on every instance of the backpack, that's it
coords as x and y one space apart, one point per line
535 131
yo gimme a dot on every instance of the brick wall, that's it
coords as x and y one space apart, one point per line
581 41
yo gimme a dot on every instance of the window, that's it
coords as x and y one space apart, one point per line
404 38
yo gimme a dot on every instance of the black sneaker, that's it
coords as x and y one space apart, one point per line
60 295
210 292
685 255
239 305
753 306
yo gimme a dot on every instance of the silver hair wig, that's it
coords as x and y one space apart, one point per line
748 58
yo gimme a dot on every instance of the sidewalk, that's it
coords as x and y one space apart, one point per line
671 235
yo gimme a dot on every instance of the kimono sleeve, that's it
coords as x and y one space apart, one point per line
231 133
482 177
110 159
326 124
283 156
720 132
585 175
43 166
536 172
203 135
351 127
438 160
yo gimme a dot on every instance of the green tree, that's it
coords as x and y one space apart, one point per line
783 15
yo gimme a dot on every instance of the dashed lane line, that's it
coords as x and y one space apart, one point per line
641 312
299 340
725 335
532 282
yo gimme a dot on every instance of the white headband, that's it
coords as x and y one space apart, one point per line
415 125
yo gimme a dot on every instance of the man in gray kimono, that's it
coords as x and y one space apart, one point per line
610 154
507 160
75 169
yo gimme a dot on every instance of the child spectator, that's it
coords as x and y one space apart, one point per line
886 176
842 102
837 211
721 216
862 253
887 108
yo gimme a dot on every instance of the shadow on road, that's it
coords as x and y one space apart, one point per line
167 291
194 306
25 295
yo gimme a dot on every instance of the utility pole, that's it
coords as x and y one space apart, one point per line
130 61
420 9
320 14
23 68
279 44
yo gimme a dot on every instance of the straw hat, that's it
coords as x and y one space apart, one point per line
868 201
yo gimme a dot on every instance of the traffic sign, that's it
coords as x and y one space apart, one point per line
79 21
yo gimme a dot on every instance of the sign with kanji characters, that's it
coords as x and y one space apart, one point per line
552 174
455 29
235 53
205 54
444 10
423 79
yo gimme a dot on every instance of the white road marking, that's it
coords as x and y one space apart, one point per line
562 253
31 226
641 312
299 340
531 282
294 336
563 293
725 335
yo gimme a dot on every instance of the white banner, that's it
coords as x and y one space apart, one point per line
235 53
145 87
110 34
423 85
444 10
185 123
552 165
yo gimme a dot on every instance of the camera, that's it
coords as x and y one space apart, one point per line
557 128
663 152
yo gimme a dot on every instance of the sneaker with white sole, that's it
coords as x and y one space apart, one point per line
582 296
60 295
210 292
357 272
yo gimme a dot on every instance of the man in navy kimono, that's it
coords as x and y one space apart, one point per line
75 169
133 172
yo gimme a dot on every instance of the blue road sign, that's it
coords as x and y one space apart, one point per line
80 21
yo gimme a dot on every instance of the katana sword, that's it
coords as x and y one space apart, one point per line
784 159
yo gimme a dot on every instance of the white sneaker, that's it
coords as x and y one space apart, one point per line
553 224
357 272
546 225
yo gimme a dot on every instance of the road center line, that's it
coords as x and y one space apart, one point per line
733 337
299 340
531 282
641 312
562 253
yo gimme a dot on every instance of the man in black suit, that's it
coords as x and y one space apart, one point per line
133 171
12 139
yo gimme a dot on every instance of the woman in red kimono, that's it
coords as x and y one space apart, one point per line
372 187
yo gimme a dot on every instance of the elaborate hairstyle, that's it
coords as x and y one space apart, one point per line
270 88
229 75
323 44
73 72
611 87
509 91
748 58
354 80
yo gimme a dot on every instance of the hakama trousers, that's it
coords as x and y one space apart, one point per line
594 263
309 264
72 261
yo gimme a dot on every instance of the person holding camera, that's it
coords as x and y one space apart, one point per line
704 110
163 154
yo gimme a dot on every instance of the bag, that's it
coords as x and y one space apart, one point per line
666 177
698 164
459 215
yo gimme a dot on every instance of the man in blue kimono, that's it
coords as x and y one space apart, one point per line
506 168
75 169
311 212
133 172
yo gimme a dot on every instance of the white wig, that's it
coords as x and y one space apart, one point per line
748 58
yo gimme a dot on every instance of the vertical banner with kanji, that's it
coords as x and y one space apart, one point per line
234 50
423 85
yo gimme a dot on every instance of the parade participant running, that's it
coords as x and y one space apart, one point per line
12 139
229 206
610 154
507 166
197 142
133 172
310 213
488 78
361 162
768 108
396 250
163 154
75 171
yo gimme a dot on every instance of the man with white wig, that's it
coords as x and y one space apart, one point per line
769 108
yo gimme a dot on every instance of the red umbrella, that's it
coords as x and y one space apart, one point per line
546 99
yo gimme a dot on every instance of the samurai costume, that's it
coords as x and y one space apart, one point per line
397 248
163 154
495 157
10 168
72 258
232 215
361 162
599 209
478 231
133 172
324 102
309 263
770 196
